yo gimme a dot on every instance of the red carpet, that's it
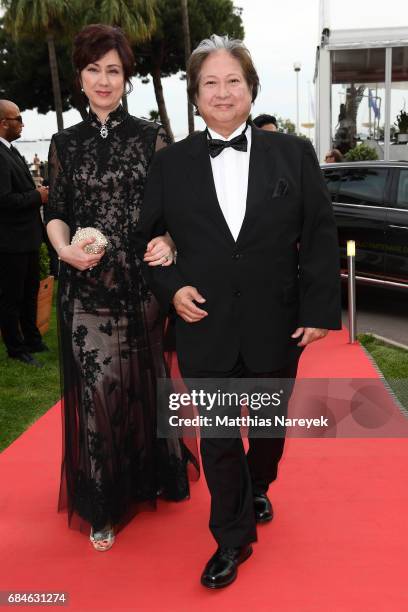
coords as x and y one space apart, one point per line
338 543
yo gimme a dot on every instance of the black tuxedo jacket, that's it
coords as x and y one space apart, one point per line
281 273
21 228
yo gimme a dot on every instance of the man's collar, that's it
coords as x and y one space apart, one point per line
237 132
5 142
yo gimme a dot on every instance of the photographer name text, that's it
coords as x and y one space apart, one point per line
247 421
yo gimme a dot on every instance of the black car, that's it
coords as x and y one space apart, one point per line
370 201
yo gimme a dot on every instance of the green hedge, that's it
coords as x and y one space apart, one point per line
361 152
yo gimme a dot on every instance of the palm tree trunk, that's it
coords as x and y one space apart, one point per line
55 81
187 53
161 105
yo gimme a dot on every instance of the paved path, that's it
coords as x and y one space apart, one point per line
381 312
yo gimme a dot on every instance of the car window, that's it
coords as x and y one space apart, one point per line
332 176
364 186
402 196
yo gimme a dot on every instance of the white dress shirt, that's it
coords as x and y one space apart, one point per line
230 171
6 142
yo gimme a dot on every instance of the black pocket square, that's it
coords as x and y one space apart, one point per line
281 188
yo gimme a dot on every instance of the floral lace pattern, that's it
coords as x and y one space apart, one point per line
110 328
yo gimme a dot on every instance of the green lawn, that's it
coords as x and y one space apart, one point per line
26 393
393 363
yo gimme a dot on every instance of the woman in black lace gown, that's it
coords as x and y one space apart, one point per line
110 324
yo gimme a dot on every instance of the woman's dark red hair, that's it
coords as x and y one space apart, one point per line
96 40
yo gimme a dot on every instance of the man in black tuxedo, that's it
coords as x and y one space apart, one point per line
21 234
257 273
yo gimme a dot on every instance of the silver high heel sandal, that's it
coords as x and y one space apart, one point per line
102 540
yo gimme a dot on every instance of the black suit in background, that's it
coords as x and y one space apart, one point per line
21 234
280 274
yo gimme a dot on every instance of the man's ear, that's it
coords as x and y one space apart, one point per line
196 111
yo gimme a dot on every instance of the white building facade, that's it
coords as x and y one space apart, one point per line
361 81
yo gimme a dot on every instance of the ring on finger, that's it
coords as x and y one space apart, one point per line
165 258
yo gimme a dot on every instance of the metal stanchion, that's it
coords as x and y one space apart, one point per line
351 253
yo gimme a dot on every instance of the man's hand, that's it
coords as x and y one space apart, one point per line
309 334
43 191
183 301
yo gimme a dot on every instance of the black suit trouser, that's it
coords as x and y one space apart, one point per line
234 477
19 284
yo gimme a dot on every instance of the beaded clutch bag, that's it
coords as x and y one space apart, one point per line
95 247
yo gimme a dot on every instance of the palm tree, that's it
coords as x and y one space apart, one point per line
137 18
38 19
187 52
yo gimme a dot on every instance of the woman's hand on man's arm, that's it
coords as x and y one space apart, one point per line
161 251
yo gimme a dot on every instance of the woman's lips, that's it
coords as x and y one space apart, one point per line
103 93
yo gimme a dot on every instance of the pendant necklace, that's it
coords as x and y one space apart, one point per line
104 130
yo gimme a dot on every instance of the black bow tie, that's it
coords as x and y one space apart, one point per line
216 146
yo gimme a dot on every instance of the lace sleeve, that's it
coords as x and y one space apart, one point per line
162 140
57 207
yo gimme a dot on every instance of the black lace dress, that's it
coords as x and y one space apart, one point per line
110 330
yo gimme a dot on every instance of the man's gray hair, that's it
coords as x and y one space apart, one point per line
219 43
215 43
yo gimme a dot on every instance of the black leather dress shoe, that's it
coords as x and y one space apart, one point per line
38 348
263 508
27 359
222 568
